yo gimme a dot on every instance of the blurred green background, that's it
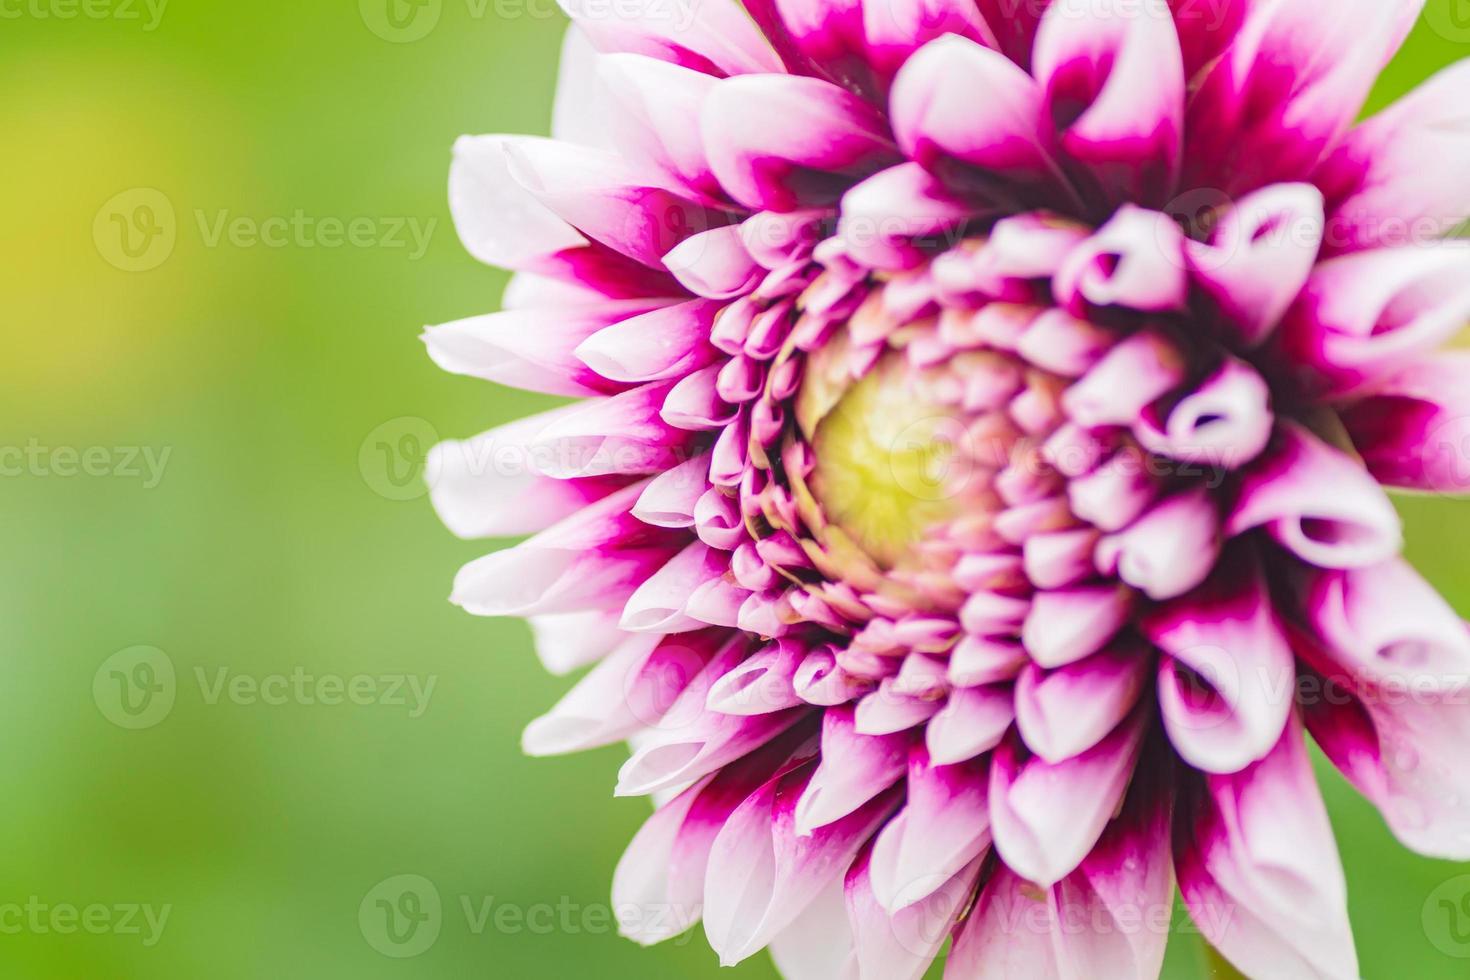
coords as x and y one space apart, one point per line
273 540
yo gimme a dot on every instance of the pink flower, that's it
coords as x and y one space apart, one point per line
979 488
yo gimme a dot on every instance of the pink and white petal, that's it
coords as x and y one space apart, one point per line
1113 77
623 434
1116 493
500 222
1404 753
596 712
935 115
1132 376
1046 817
1285 92
972 722
1261 875
668 342
641 880
1317 502
1398 178
713 36
763 874
854 769
530 291
902 945
594 559
1226 684
1259 257
1365 316
1170 549
579 113
669 499
1414 430
565 642
1064 712
692 741
715 263
534 350
1387 626
893 30
658 605
891 710
943 827
1007 935
657 123
881 215
784 143
596 192
1226 422
1066 625
819 944
1136 261
764 683
484 487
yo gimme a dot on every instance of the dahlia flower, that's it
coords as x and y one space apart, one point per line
977 492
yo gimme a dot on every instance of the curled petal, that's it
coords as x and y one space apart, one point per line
1387 626
1261 875
659 604
1259 257
660 103
882 215
1136 261
1170 549
1133 375
762 684
668 342
714 264
1225 684
1317 502
1414 430
935 115
783 143
1226 422
1364 316
1113 76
